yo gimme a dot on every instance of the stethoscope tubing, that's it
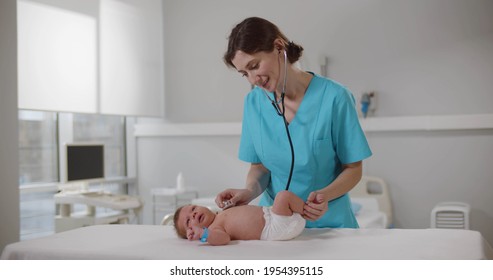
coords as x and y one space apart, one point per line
292 151
281 113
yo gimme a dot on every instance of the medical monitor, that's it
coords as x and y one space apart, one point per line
85 162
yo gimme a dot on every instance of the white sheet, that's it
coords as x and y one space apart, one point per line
160 242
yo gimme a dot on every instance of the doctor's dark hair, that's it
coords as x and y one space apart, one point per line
256 34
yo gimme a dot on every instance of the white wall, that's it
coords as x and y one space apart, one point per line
425 168
9 167
422 57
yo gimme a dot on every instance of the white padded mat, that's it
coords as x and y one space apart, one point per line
161 242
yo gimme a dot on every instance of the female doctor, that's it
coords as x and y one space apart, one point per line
300 131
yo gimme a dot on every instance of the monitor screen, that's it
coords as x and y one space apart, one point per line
85 162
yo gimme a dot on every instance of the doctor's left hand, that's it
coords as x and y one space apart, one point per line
315 206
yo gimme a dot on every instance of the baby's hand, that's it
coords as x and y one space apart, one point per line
194 233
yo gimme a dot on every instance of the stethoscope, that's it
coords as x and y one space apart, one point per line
280 112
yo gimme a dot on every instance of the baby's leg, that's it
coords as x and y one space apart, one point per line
286 203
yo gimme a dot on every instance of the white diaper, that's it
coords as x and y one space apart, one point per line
279 227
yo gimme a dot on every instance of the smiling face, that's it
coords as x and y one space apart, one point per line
261 69
193 215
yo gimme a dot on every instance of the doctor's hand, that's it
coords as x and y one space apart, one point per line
315 206
235 197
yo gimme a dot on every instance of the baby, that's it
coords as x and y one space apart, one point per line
282 221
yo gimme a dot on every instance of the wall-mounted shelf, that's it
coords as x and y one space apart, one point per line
188 129
428 123
377 124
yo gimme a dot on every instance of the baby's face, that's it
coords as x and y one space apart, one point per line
194 216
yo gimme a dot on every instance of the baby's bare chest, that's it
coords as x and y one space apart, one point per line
243 223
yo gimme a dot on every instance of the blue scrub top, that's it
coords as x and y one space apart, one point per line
325 133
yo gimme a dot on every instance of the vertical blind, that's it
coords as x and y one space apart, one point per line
96 56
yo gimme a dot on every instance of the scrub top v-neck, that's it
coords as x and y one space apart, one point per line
325 132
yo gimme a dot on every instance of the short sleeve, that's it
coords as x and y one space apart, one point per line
350 141
247 151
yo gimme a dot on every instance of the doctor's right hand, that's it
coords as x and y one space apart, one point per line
235 197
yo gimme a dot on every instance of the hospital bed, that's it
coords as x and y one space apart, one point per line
371 203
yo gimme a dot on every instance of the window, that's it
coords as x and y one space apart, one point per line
38 163
38 147
108 130
42 136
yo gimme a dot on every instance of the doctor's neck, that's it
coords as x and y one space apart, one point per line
296 84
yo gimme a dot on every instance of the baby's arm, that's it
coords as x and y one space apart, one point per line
215 236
